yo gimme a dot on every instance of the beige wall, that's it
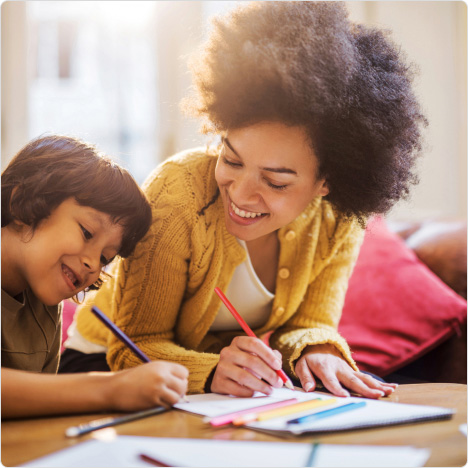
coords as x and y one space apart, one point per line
14 79
433 34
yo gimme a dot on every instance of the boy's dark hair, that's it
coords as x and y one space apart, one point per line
306 64
51 169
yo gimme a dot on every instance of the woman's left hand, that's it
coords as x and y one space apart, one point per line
326 363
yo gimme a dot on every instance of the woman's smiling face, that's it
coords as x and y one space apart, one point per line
267 175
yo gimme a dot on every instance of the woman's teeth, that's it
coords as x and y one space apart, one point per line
242 213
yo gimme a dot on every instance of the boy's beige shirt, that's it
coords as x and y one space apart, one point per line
163 296
31 333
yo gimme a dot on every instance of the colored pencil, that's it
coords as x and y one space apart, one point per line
290 409
328 412
229 417
97 424
249 332
152 461
123 337
312 455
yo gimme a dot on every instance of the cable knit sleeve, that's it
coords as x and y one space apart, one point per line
153 281
316 320
148 289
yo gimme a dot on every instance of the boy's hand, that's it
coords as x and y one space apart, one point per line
245 366
152 384
325 362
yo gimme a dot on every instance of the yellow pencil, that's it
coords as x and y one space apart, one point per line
286 410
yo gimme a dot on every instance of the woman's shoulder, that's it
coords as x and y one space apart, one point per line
195 161
337 224
185 179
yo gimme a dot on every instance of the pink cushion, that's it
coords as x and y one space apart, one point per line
68 312
396 309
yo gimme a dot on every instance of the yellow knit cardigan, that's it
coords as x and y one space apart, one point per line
163 296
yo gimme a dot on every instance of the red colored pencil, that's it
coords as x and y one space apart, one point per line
152 461
249 332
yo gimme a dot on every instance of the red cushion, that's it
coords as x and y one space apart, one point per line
396 309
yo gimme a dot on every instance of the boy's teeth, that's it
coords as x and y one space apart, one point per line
242 213
70 274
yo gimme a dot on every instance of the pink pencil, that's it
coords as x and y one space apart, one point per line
249 332
229 417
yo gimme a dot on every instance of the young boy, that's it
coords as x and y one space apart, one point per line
67 211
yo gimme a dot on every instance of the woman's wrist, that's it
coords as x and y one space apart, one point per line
209 381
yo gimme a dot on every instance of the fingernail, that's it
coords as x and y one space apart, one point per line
277 363
308 386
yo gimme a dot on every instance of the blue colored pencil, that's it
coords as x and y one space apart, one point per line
326 413
123 337
120 334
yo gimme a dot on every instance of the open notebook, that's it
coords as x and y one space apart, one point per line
374 413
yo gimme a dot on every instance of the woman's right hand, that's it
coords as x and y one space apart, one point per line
245 366
152 384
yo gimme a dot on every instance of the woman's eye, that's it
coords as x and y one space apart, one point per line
86 233
276 187
231 163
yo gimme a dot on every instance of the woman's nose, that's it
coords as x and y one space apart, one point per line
245 189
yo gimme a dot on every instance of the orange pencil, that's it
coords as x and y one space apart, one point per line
282 375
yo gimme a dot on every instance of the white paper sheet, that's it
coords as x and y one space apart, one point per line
213 404
375 413
123 451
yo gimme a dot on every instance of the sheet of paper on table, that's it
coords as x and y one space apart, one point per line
123 451
375 413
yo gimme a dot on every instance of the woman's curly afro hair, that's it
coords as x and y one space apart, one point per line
305 63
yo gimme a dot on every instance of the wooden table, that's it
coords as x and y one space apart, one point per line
26 439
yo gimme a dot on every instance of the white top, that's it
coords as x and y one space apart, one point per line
248 295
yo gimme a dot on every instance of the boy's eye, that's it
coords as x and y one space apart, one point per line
105 261
86 233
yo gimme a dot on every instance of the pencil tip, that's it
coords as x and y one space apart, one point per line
289 385
72 432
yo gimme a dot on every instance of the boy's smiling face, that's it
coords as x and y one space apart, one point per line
66 252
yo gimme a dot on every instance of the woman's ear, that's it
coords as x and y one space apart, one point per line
323 188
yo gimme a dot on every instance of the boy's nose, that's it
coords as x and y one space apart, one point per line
91 262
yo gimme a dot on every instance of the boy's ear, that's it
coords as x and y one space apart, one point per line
25 230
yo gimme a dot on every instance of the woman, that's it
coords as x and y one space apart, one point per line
320 129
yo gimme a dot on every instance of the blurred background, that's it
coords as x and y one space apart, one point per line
114 72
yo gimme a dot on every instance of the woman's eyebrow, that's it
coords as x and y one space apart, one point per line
278 170
229 145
